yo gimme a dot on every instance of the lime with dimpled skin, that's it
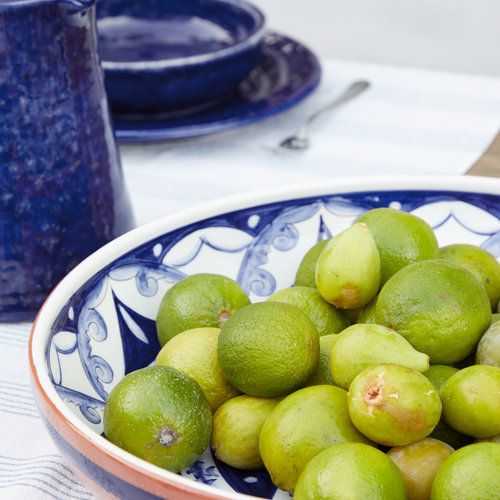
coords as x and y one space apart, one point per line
348 471
438 306
302 425
160 415
326 318
199 300
471 401
268 349
470 473
401 238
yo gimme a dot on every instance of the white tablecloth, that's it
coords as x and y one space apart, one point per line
409 121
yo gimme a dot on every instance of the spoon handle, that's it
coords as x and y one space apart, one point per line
352 91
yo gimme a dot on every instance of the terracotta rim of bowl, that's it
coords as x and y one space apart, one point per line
95 447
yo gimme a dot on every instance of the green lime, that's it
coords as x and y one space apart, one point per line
236 430
322 374
326 318
495 317
401 238
197 301
350 471
160 415
300 426
480 263
471 401
306 272
268 349
367 314
470 473
439 374
194 352
438 306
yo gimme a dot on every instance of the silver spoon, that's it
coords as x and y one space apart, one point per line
300 139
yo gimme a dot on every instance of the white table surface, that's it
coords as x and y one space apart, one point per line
409 121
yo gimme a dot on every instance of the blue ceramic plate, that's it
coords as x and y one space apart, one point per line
99 323
287 73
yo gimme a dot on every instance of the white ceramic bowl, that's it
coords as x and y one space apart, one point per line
98 323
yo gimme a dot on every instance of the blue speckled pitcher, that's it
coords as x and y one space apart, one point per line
62 193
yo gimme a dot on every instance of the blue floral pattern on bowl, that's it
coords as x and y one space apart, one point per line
261 248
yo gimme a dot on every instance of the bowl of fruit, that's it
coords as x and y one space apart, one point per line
322 340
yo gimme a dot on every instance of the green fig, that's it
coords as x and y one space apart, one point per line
488 349
493 439
495 317
393 405
438 375
419 463
306 272
348 268
362 345
471 401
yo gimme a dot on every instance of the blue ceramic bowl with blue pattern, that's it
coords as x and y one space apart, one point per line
99 322
173 55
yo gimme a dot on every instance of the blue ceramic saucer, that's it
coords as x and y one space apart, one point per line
287 73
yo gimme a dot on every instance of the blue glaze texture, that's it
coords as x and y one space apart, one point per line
164 54
62 193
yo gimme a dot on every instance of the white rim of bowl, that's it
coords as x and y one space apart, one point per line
130 240
161 64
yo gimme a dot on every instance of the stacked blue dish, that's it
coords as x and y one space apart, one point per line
176 54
